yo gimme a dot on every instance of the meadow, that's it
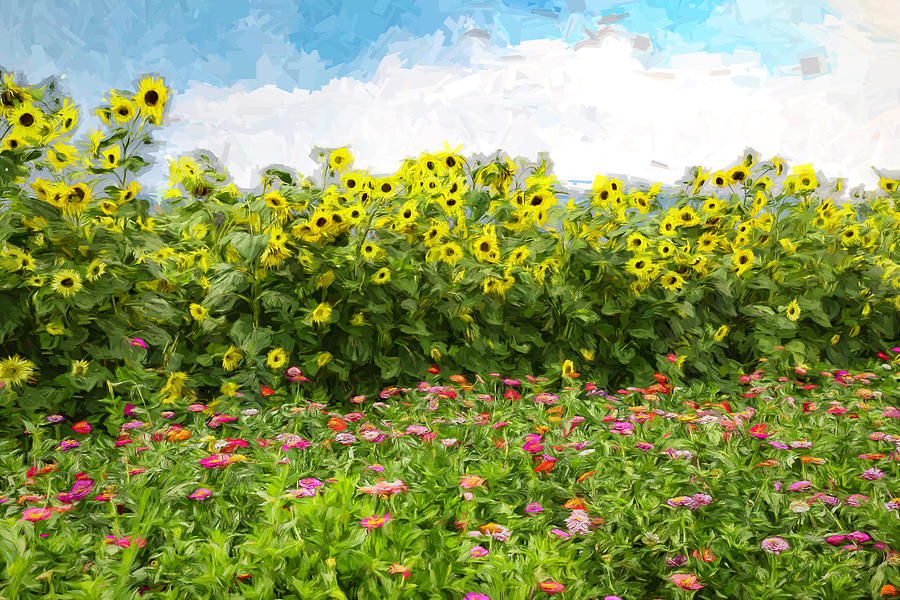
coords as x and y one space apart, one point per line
451 381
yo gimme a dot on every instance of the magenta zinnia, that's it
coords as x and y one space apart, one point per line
201 494
375 521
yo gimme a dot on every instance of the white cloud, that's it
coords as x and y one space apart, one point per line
595 109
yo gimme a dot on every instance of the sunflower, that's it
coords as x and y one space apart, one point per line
61 156
55 329
451 204
671 281
518 256
67 117
434 236
721 333
95 269
568 369
640 201
232 357
108 207
406 216
641 267
887 184
699 180
15 370
485 249
850 236
151 98
720 179
686 216
358 320
738 174
668 226
322 314
27 120
339 160
708 242
538 200
198 313
793 310
66 282
386 187
12 94
637 243
79 367
450 253
743 260
25 262
666 249
277 358
382 276
111 156
122 109
371 251
13 142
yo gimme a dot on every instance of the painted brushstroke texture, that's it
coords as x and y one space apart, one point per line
638 88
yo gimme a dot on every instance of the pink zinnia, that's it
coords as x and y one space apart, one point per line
138 342
775 545
534 508
800 486
685 581
36 514
375 521
216 461
552 587
66 445
201 494
476 596
471 481
872 474
478 552
81 427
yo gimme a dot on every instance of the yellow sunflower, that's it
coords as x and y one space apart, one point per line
15 370
671 281
13 142
485 249
720 179
382 276
518 256
743 260
371 251
61 156
850 236
27 120
122 109
277 358
450 253
339 160
66 282
666 249
95 269
686 216
887 184
641 267
708 242
637 243
198 313
322 314
793 310
111 156
721 333
668 226
232 357
151 98
434 236
738 174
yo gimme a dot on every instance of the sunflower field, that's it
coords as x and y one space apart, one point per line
686 378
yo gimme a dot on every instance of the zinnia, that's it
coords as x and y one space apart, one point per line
686 582
775 545
552 587
201 494
375 521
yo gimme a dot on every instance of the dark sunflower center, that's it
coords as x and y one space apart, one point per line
79 192
639 265
429 165
614 186
13 144
451 162
805 181
739 175
451 202
67 282
321 221
450 251
151 98
26 120
719 181
111 157
484 247
407 214
385 187
354 214
453 188
68 122
604 195
743 260
537 200
337 219
351 183
123 110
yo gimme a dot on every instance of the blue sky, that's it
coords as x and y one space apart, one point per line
308 62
